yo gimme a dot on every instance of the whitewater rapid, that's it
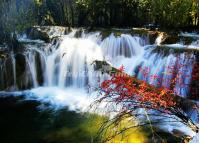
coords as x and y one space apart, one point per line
68 74
68 62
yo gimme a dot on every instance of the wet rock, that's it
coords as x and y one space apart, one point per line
187 40
151 34
170 39
167 37
7 79
3 55
46 33
12 45
79 33
104 67
20 64
36 33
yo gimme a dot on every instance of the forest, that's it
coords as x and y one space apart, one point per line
19 14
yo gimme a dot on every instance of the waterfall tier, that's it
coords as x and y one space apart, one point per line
67 61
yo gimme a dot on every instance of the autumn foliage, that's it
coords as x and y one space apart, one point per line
132 94
122 88
195 81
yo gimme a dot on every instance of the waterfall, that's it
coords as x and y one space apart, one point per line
158 40
70 64
125 45
59 72
124 50
31 63
1 73
14 70
161 71
155 68
67 61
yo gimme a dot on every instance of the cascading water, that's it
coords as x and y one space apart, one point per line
154 68
159 71
31 63
64 65
125 45
126 50
1 72
63 68
67 61
158 40
70 64
14 70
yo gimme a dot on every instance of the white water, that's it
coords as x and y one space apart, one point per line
192 35
129 52
126 50
14 70
74 98
125 45
71 63
195 139
166 68
159 39
68 62
31 63
67 68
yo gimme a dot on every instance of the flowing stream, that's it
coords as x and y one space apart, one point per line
68 62
62 71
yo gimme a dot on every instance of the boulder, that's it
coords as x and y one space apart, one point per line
170 39
46 33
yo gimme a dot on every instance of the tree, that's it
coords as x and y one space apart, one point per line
195 12
132 94
15 16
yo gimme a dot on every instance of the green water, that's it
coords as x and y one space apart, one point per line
23 122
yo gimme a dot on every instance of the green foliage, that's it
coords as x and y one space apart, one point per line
173 13
16 15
